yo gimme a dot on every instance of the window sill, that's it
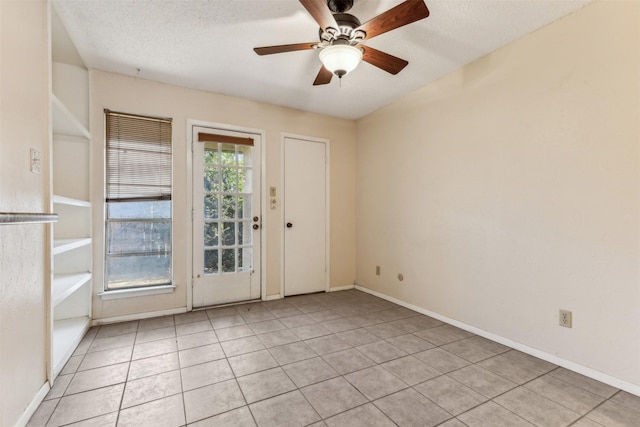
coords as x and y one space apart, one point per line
139 292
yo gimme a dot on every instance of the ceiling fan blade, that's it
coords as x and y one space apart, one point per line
324 77
270 50
320 12
396 17
384 61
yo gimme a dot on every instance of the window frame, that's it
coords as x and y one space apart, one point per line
110 142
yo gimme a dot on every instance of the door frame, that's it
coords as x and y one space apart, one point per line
263 200
327 226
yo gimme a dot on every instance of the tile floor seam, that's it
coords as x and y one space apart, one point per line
310 404
511 389
559 403
597 406
46 423
557 368
184 404
443 422
584 417
74 374
124 389
369 402
465 411
507 409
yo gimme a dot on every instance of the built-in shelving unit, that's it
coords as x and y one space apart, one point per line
64 245
70 294
64 122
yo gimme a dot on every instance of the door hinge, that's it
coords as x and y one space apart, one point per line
193 214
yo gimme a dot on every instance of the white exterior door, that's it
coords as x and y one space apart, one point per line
305 216
226 216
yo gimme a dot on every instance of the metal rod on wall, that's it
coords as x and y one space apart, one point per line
8 218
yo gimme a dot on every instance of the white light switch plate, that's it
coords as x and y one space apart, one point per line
36 163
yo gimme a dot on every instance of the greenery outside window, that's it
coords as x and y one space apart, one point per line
138 201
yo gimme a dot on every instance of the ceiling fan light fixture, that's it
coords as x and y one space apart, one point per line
340 59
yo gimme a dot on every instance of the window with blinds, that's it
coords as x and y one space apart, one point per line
138 201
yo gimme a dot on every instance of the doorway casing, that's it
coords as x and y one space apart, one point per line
327 145
189 147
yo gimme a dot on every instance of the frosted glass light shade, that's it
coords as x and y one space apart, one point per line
340 59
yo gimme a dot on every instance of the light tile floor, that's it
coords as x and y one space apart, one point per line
338 359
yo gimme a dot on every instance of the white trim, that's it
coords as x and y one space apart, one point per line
572 366
138 316
272 297
327 227
263 204
137 292
341 288
189 236
33 405
327 191
264 208
280 201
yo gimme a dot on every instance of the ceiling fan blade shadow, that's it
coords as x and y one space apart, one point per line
396 17
320 12
270 50
324 77
384 61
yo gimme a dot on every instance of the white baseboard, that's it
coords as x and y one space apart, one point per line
272 297
572 366
33 406
137 316
341 288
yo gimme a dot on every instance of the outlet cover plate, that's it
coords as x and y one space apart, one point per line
565 318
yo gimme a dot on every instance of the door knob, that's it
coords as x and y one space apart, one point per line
256 226
289 225
255 219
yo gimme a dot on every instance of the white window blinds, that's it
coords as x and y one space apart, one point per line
138 161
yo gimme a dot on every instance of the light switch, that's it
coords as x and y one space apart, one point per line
36 162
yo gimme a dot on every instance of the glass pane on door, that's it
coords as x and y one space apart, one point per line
227 208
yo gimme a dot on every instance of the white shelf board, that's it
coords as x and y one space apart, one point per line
64 245
66 284
67 334
71 202
64 122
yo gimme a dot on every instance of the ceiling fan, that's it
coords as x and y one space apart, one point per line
342 34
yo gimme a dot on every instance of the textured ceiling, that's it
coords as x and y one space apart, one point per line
208 45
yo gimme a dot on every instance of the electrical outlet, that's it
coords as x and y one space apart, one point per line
565 318
377 270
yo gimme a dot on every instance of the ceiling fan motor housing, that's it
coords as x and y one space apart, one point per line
347 23
339 6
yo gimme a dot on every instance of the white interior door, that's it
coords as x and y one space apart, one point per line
226 216
305 216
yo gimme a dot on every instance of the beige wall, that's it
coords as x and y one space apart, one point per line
511 188
140 96
24 100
